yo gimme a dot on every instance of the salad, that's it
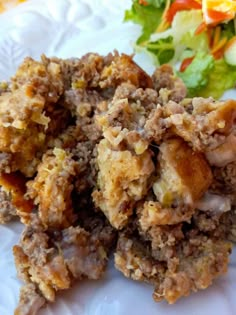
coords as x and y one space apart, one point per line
198 37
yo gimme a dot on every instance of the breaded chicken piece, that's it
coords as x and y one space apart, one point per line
52 187
122 180
51 261
184 174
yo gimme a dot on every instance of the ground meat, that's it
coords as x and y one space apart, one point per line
107 152
85 154
134 260
182 273
7 210
198 261
14 202
207 127
225 179
174 88
6 163
51 260
98 226
30 300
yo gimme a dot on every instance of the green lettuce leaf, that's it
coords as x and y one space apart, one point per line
221 78
184 26
205 76
228 29
196 75
163 49
149 17
156 3
208 77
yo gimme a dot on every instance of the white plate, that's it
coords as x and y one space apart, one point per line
68 28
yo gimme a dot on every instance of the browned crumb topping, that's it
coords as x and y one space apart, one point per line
95 156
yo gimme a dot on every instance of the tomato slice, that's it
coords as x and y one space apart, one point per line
185 63
181 5
218 16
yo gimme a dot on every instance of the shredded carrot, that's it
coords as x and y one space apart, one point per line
218 16
185 63
219 45
218 54
209 36
216 37
201 28
164 23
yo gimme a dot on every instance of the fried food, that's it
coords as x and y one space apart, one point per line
98 157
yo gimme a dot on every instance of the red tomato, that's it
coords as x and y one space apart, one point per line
217 16
181 5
